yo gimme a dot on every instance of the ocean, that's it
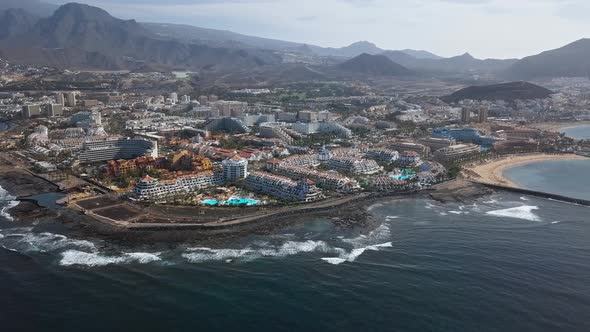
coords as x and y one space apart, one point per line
579 132
502 263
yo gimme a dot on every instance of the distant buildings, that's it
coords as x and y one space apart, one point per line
465 115
482 114
59 98
437 143
70 99
466 135
53 110
30 111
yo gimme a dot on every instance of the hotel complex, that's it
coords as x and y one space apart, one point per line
283 188
120 148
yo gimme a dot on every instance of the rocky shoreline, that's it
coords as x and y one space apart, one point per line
352 213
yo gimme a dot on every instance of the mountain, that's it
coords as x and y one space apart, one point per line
421 54
375 65
572 60
14 21
35 7
189 33
465 63
504 91
82 36
350 51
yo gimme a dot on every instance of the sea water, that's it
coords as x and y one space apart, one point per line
500 263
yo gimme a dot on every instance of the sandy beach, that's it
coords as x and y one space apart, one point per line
492 171
559 126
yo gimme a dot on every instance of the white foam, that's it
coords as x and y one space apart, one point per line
380 233
355 253
50 242
203 254
391 217
443 214
522 198
334 260
7 201
456 212
556 222
76 257
1 236
492 201
522 212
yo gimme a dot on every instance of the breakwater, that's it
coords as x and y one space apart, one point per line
536 193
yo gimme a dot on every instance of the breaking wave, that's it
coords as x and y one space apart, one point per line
7 202
26 241
198 255
522 212
76 257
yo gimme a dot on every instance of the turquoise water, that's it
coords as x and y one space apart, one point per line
405 174
241 201
562 177
581 132
231 201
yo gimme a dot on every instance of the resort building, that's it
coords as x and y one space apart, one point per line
383 155
301 160
112 149
422 150
457 153
283 188
151 188
466 135
437 143
235 168
355 166
324 180
407 158
386 183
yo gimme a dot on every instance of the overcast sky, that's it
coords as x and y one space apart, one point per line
485 28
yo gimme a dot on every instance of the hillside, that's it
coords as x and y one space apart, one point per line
504 91
375 65
14 21
82 36
35 7
572 60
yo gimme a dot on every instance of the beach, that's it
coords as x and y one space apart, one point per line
493 171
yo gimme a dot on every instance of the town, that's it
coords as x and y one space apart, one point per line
252 147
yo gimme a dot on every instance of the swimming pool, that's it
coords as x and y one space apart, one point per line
241 201
233 201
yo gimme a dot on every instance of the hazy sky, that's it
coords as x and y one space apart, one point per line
485 28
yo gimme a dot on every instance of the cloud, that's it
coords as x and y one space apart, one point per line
307 18
485 28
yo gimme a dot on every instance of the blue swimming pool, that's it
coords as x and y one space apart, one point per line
233 201
241 201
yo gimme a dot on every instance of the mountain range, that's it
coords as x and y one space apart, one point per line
82 36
